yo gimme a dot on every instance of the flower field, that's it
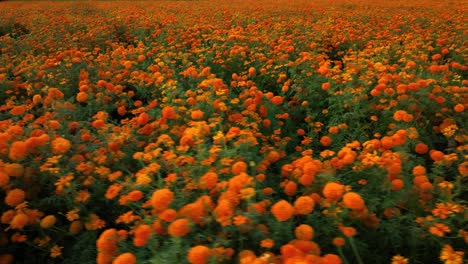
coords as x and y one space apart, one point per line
284 131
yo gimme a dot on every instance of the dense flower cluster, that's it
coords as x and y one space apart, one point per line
263 131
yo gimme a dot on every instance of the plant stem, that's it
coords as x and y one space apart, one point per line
355 251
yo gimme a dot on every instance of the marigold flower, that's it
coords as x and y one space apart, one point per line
306 246
353 201
348 231
239 167
449 256
267 243
304 205
19 221
142 235
60 145
75 227
179 228
333 191
304 232
161 199
14 169
421 148
325 141
289 251
135 195
339 241
436 155
277 100
168 112
55 251
398 259
199 254
18 150
397 184
459 108
419 170
208 180
15 197
107 242
290 188
4 178
82 97
196 114
48 221
125 258
331 259
439 229
282 210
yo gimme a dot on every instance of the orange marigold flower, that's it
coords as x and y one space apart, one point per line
135 195
353 201
19 221
436 155
348 231
333 191
4 178
325 141
196 114
113 191
75 227
306 246
419 170
449 256
142 235
60 145
199 254
48 221
238 167
179 228
168 112
14 169
339 241
107 244
282 210
331 259
18 150
421 148
397 184
15 197
267 243
290 188
168 215
304 205
439 229
82 97
398 259
277 100
161 199
55 251
459 108
208 180
125 258
289 251
304 232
